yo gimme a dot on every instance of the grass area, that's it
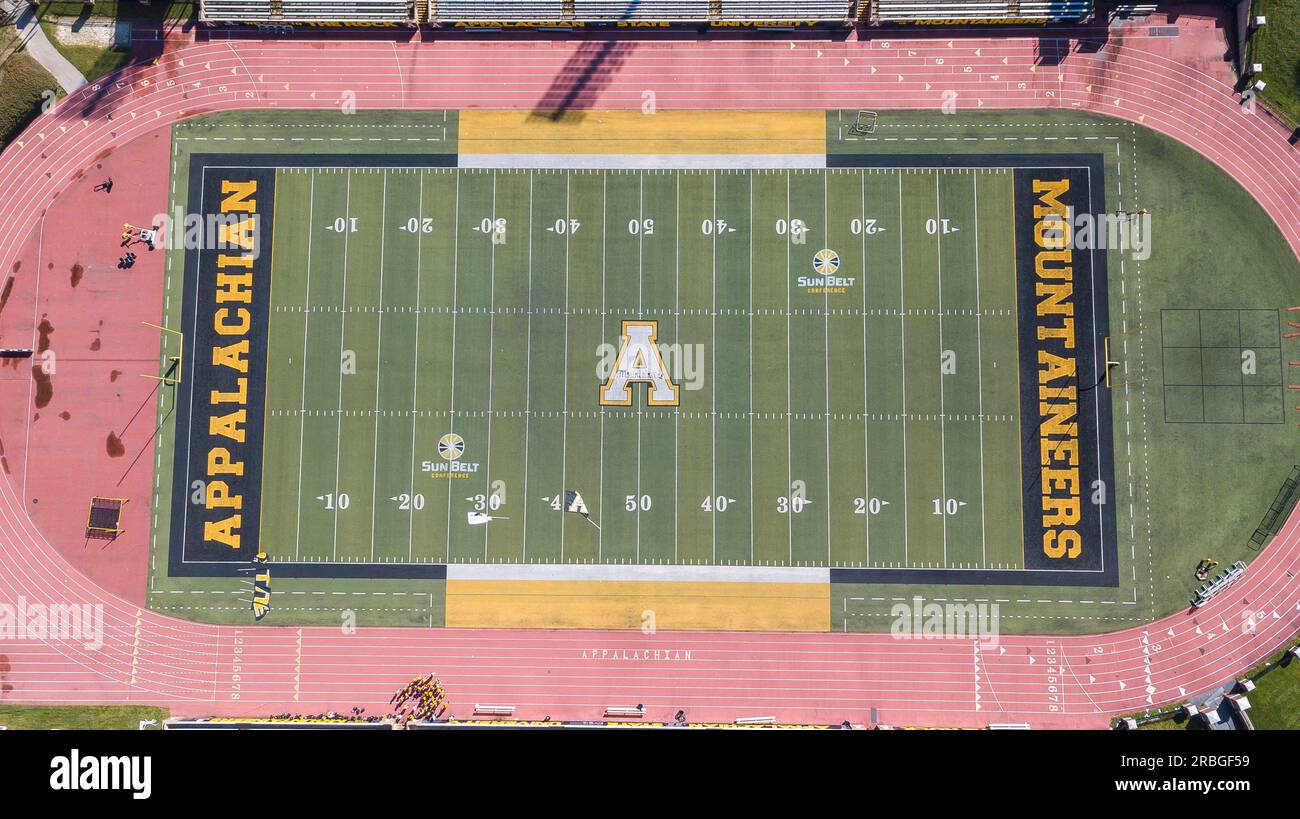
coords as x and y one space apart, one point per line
709 480
80 717
1178 722
92 61
157 11
1275 702
1277 46
23 86
1207 485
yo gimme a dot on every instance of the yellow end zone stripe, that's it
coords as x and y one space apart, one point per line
632 132
623 605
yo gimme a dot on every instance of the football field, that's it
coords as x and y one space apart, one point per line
458 382
439 337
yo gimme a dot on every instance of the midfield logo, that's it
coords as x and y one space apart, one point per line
639 361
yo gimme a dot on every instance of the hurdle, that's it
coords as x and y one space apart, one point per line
103 522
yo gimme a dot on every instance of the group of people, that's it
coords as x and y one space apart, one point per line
421 699
130 235
355 715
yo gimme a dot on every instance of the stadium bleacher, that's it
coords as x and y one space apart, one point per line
307 11
587 11
451 12
659 10
1054 11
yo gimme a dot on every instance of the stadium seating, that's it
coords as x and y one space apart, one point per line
303 11
659 10
1057 11
610 11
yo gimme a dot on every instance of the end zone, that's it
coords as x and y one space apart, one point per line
1067 460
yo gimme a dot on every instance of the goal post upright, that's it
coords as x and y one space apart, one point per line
175 359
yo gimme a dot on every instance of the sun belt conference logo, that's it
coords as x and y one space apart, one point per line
450 447
826 263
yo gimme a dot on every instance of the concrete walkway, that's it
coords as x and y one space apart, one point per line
40 48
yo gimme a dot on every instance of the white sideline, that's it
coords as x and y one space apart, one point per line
596 571
642 161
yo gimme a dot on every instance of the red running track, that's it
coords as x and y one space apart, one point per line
1178 86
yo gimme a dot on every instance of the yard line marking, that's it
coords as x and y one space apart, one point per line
902 342
640 285
713 386
677 332
415 380
564 437
528 366
866 451
943 443
379 358
343 323
492 327
302 403
826 358
751 369
455 296
789 466
979 365
604 236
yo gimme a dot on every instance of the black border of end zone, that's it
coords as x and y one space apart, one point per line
185 557
1101 564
